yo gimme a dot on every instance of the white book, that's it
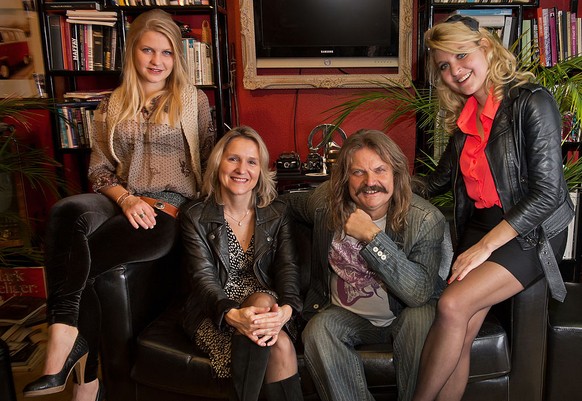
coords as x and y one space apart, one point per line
490 21
207 73
198 60
91 13
572 239
91 22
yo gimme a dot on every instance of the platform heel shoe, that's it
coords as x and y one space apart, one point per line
49 384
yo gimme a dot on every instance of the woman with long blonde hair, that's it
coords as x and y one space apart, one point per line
149 144
504 165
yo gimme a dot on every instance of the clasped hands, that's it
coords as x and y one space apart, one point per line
261 324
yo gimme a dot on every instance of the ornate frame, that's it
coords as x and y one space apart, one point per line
252 80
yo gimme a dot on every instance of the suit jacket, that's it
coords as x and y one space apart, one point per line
207 260
408 263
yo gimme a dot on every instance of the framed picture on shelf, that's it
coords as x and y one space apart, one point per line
21 62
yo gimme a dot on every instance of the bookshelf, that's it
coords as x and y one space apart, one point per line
83 61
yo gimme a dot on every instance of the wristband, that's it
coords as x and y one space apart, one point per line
122 197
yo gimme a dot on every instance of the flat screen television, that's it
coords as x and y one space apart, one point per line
326 33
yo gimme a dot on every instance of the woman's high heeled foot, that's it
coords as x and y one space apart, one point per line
49 384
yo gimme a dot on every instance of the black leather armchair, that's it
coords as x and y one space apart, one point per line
147 357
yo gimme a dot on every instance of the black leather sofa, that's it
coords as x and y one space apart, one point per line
146 356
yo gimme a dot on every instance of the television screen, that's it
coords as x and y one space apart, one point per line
326 33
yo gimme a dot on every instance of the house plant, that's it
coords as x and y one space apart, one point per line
21 165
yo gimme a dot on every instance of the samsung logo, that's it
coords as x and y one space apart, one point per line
326 51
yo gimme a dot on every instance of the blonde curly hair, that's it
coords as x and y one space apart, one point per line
461 31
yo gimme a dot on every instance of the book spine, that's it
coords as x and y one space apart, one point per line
89 46
547 39
541 36
72 5
198 63
107 48
97 48
114 48
573 34
75 47
56 43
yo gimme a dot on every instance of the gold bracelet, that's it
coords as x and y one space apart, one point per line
122 197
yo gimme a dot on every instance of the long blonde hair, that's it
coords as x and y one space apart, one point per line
340 201
457 31
264 191
169 103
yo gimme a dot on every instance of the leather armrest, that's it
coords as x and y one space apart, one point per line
525 319
131 296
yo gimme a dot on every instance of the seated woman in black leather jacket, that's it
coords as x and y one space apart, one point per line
504 165
244 278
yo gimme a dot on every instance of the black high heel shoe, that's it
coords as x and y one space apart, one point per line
49 384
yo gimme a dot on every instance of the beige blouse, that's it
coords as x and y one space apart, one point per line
148 158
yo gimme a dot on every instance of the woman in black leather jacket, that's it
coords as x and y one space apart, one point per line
241 262
512 207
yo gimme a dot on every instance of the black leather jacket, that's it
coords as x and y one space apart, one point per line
207 261
524 154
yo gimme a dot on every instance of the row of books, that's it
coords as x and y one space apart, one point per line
75 125
21 321
141 3
96 5
500 21
83 44
199 59
555 36
484 1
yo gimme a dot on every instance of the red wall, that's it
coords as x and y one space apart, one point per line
285 117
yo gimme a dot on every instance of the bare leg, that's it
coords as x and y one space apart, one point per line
460 312
61 338
86 392
455 386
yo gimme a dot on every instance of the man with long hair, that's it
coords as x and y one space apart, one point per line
377 251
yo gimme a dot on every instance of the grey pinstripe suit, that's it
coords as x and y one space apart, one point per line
409 270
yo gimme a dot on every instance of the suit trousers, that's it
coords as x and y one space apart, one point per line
331 336
87 235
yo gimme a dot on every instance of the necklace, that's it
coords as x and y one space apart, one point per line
239 222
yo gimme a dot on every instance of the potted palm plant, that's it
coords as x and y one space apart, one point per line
21 165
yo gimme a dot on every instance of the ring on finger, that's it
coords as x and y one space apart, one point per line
134 214
141 215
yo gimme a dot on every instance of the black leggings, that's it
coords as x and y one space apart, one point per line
88 235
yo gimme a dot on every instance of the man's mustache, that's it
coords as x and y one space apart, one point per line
376 188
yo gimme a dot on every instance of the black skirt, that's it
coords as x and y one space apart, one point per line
523 264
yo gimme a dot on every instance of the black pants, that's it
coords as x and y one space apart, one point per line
88 235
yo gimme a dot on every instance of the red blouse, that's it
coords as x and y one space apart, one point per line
474 165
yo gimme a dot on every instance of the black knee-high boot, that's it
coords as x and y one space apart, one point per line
288 389
248 366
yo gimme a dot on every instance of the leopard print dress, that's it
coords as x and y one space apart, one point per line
240 285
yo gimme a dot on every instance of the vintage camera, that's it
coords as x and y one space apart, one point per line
288 163
313 164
